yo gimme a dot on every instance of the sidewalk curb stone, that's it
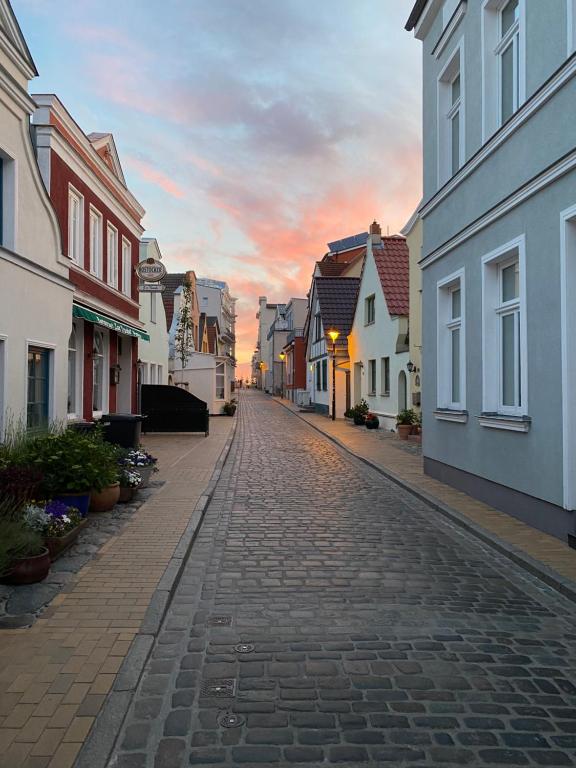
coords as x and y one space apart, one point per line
97 748
564 586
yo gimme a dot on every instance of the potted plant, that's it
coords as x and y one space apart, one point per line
142 461
229 408
417 426
359 412
130 480
58 523
24 559
349 413
372 421
404 422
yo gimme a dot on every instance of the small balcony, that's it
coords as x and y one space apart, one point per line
295 333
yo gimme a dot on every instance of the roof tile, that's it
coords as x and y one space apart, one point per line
392 260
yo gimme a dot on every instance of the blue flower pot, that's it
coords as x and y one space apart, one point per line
78 500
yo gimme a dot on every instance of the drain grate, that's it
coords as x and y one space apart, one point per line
218 688
219 621
244 648
231 720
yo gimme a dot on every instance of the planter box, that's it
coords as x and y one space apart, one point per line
126 494
29 570
145 473
56 545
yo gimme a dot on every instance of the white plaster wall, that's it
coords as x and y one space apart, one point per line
155 350
373 342
200 374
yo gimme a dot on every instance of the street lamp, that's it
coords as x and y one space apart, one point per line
333 333
282 357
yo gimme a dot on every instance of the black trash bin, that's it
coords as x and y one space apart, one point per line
123 428
84 427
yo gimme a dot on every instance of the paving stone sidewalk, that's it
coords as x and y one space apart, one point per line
383 450
55 675
328 617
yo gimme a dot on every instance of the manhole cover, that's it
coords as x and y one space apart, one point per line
220 621
244 648
218 688
231 720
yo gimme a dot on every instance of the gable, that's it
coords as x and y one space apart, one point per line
12 41
104 145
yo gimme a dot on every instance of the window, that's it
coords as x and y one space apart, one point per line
371 377
504 333
38 405
504 55
451 343
369 310
98 351
571 25
153 309
112 254
451 117
75 226
7 201
325 374
317 327
126 267
385 376
95 243
153 379
220 373
72 371
144 374
160 374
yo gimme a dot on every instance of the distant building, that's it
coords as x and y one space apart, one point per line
152 354
265 316
413 234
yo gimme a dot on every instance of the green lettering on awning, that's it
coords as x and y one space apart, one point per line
108 322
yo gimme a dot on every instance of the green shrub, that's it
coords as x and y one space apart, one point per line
406 417
17 540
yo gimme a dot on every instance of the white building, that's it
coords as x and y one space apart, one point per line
378 343
265 316
35 294
152 354
215 300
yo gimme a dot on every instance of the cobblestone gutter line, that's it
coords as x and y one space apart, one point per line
98 747
549 576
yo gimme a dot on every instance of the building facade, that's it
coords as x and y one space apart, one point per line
100 224
265 316
295 351
152 354
35 293
499 253
413 234
378 341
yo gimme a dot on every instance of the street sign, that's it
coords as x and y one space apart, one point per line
150 270
151 288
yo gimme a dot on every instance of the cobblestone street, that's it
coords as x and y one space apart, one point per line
328 617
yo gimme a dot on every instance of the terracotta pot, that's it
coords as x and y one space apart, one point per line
29 570
104 500
58 544
126 494
404 431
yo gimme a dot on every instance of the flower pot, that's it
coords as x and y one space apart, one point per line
104 500
79 500
404 431
372 423
58 544
359 420
126 494
29 570
145 473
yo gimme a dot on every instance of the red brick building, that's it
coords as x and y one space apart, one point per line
101 228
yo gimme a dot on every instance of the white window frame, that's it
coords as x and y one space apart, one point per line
112 256
492 311
126 267
8 201
447 110
446 325
95 220
51 349
571 25
76 234
372 376
448 10
79 357
220 371
160 372
370 301
493 44
105 372
384 369
568 316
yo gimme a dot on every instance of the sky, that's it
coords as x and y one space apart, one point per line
253 132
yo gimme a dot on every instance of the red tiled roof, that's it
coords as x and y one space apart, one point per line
392 263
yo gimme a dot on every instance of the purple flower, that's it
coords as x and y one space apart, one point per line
56 508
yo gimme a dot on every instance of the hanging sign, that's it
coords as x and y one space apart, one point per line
150 270
151 287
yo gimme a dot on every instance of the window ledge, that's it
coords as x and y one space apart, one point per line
504 421
449 30
451 414
370 322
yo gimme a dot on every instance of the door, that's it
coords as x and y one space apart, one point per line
38 405
357 383
402 392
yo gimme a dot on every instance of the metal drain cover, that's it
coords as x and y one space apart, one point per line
218 688
231 720
219 621
244 648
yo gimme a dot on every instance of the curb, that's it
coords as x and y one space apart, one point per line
97 749
549 576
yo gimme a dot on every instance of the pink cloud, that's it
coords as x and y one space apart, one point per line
154 176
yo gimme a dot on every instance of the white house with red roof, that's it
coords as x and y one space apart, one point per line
378 343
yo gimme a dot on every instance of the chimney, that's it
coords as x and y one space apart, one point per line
375 233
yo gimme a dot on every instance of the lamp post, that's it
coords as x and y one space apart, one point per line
333 333
282 357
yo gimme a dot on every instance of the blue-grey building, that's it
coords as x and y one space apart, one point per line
499 252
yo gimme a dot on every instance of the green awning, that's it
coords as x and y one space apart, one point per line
108 322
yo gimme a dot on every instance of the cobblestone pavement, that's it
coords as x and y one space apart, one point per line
327 617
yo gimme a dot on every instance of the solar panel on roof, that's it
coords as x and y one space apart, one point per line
354 241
